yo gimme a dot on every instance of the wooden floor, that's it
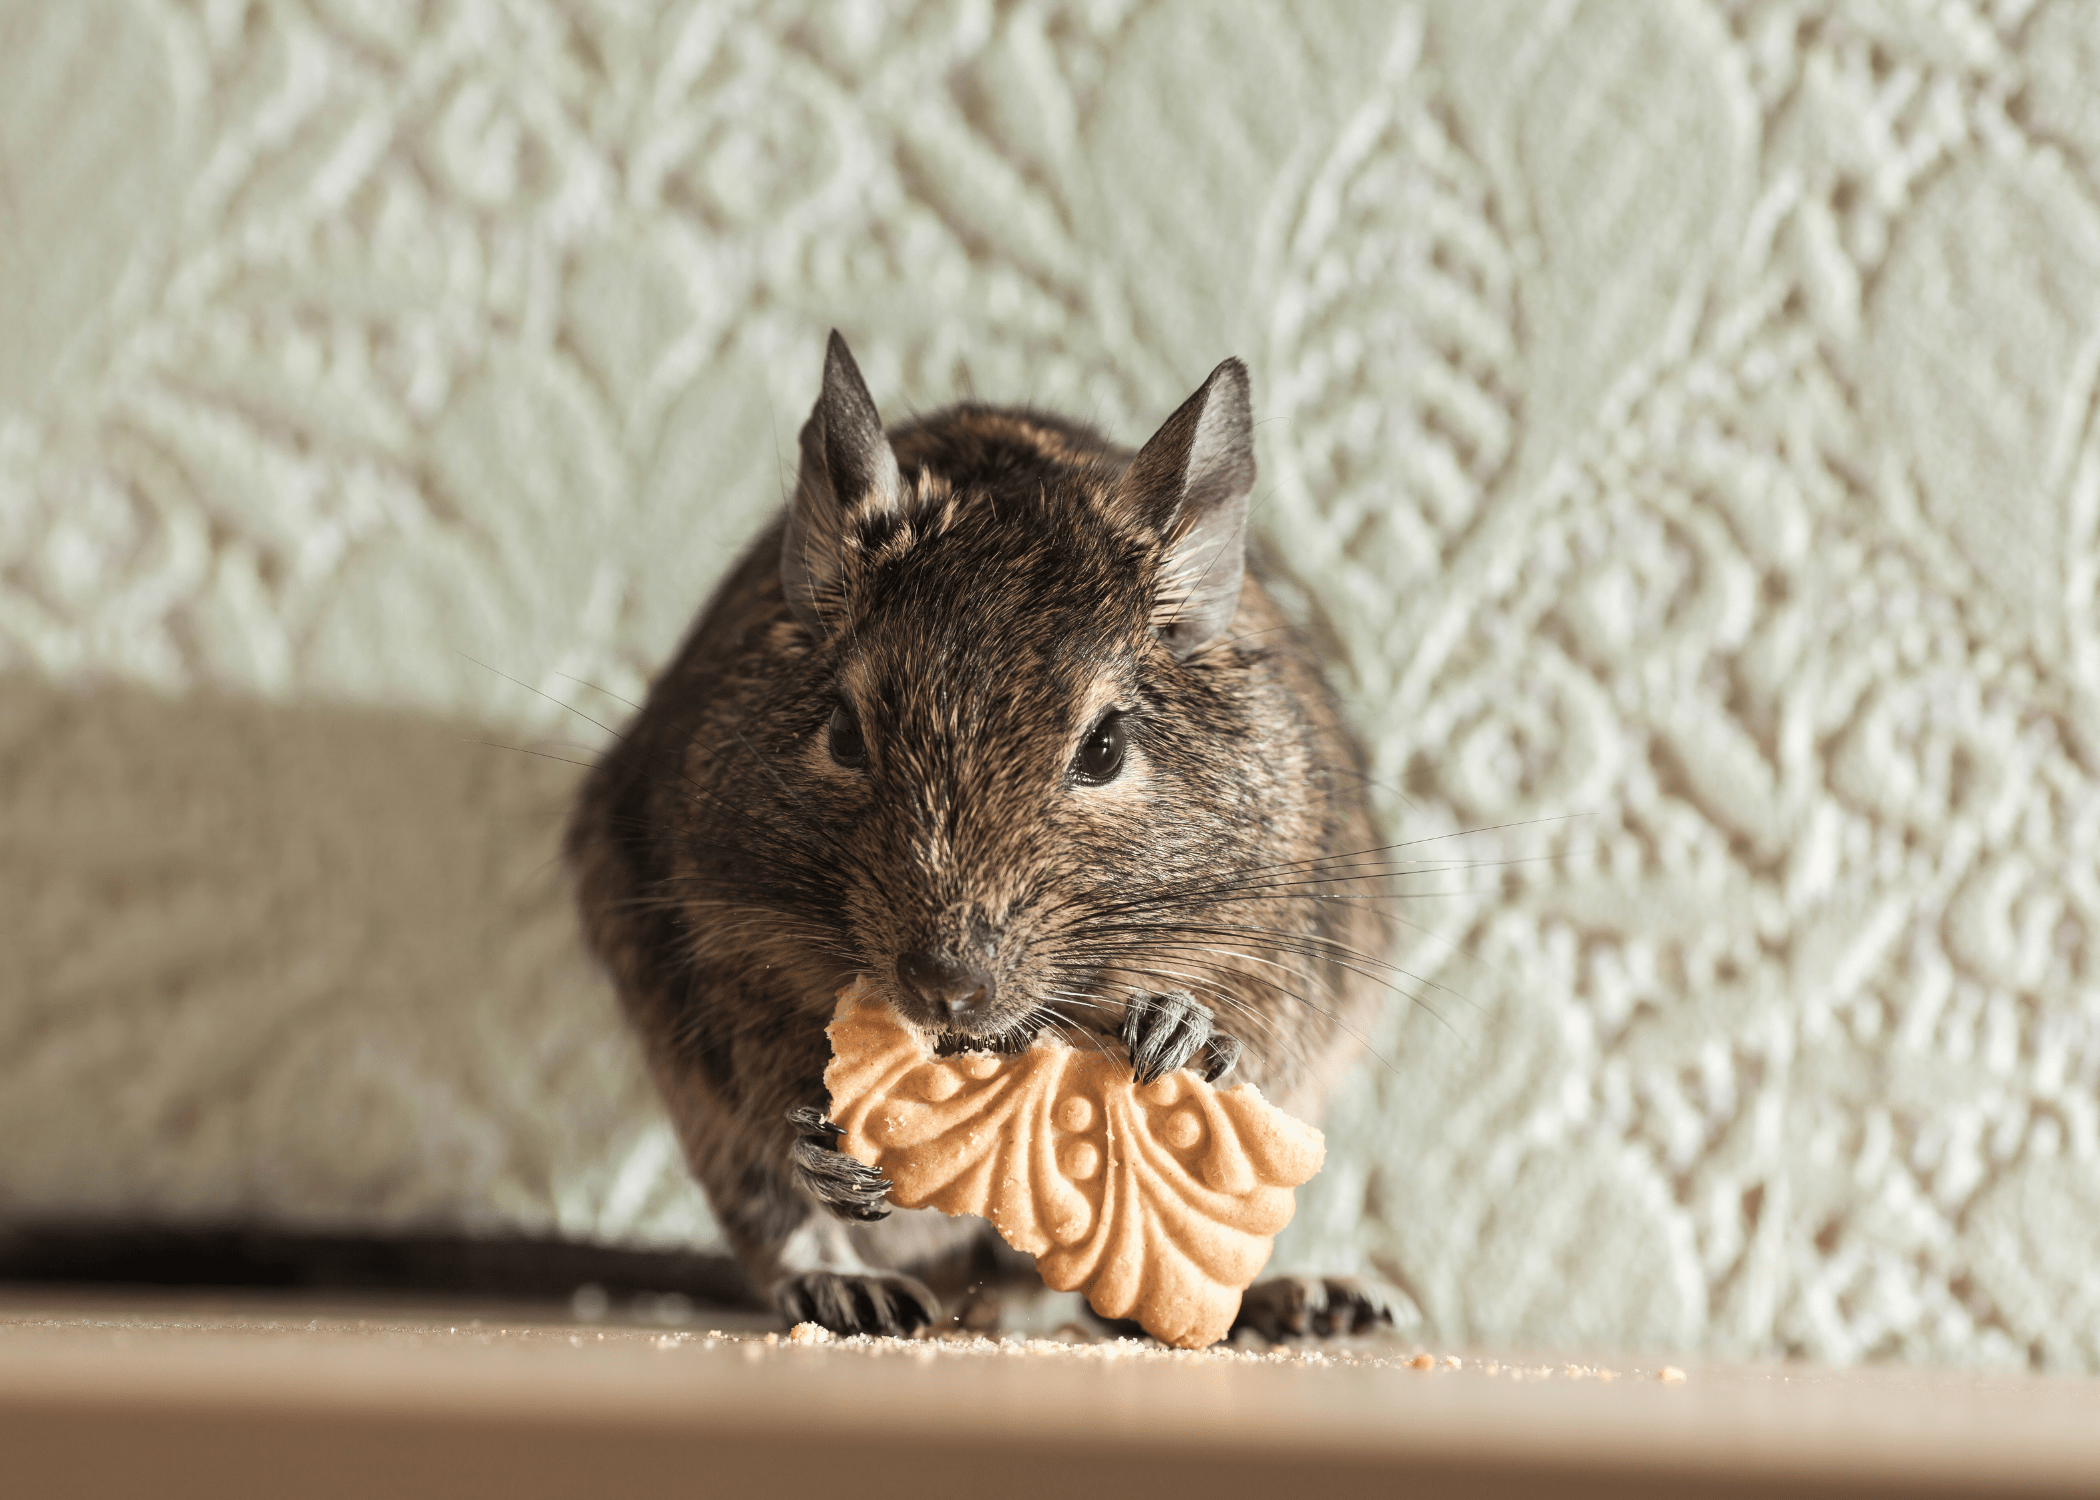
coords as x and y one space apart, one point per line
228 1397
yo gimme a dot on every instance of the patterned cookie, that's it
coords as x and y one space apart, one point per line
1160 1203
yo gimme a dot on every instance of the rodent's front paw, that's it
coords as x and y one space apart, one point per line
859 1302
1317 1306
849 1188
1164 1032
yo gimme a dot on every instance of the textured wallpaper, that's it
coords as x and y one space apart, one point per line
1681 419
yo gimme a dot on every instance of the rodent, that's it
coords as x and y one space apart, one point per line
997 714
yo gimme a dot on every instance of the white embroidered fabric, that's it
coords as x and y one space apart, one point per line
1680 418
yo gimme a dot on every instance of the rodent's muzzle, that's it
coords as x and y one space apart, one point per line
958 988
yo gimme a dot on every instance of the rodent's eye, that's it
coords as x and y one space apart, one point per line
1100 755
848 746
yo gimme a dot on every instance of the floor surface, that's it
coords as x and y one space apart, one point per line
233 1396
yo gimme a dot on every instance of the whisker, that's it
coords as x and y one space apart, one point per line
597 688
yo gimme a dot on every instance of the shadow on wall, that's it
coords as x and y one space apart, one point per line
306 966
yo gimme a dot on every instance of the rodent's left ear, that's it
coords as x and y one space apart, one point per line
849 471
1190 483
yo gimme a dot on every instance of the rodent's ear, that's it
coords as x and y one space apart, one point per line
1190 484
849 473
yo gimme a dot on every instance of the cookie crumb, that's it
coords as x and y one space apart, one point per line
1670 1375
809 1333
1422 1362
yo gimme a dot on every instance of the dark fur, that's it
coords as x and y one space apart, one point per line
975 606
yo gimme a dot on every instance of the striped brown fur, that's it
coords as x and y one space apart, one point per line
960 602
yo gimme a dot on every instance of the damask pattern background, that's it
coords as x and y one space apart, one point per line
1680 418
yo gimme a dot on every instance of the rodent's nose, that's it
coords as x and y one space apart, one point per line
946 983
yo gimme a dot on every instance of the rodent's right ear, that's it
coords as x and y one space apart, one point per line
849 473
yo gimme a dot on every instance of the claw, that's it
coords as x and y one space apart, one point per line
873 1303
814 1124
848 1187
1164 1032
1313 1307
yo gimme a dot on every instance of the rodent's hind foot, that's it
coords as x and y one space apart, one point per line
1286 1307
849 1188
1163 1032
873 1302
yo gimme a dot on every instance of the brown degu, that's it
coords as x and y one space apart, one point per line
997 717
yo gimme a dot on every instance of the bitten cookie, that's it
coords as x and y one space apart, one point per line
1160 1203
